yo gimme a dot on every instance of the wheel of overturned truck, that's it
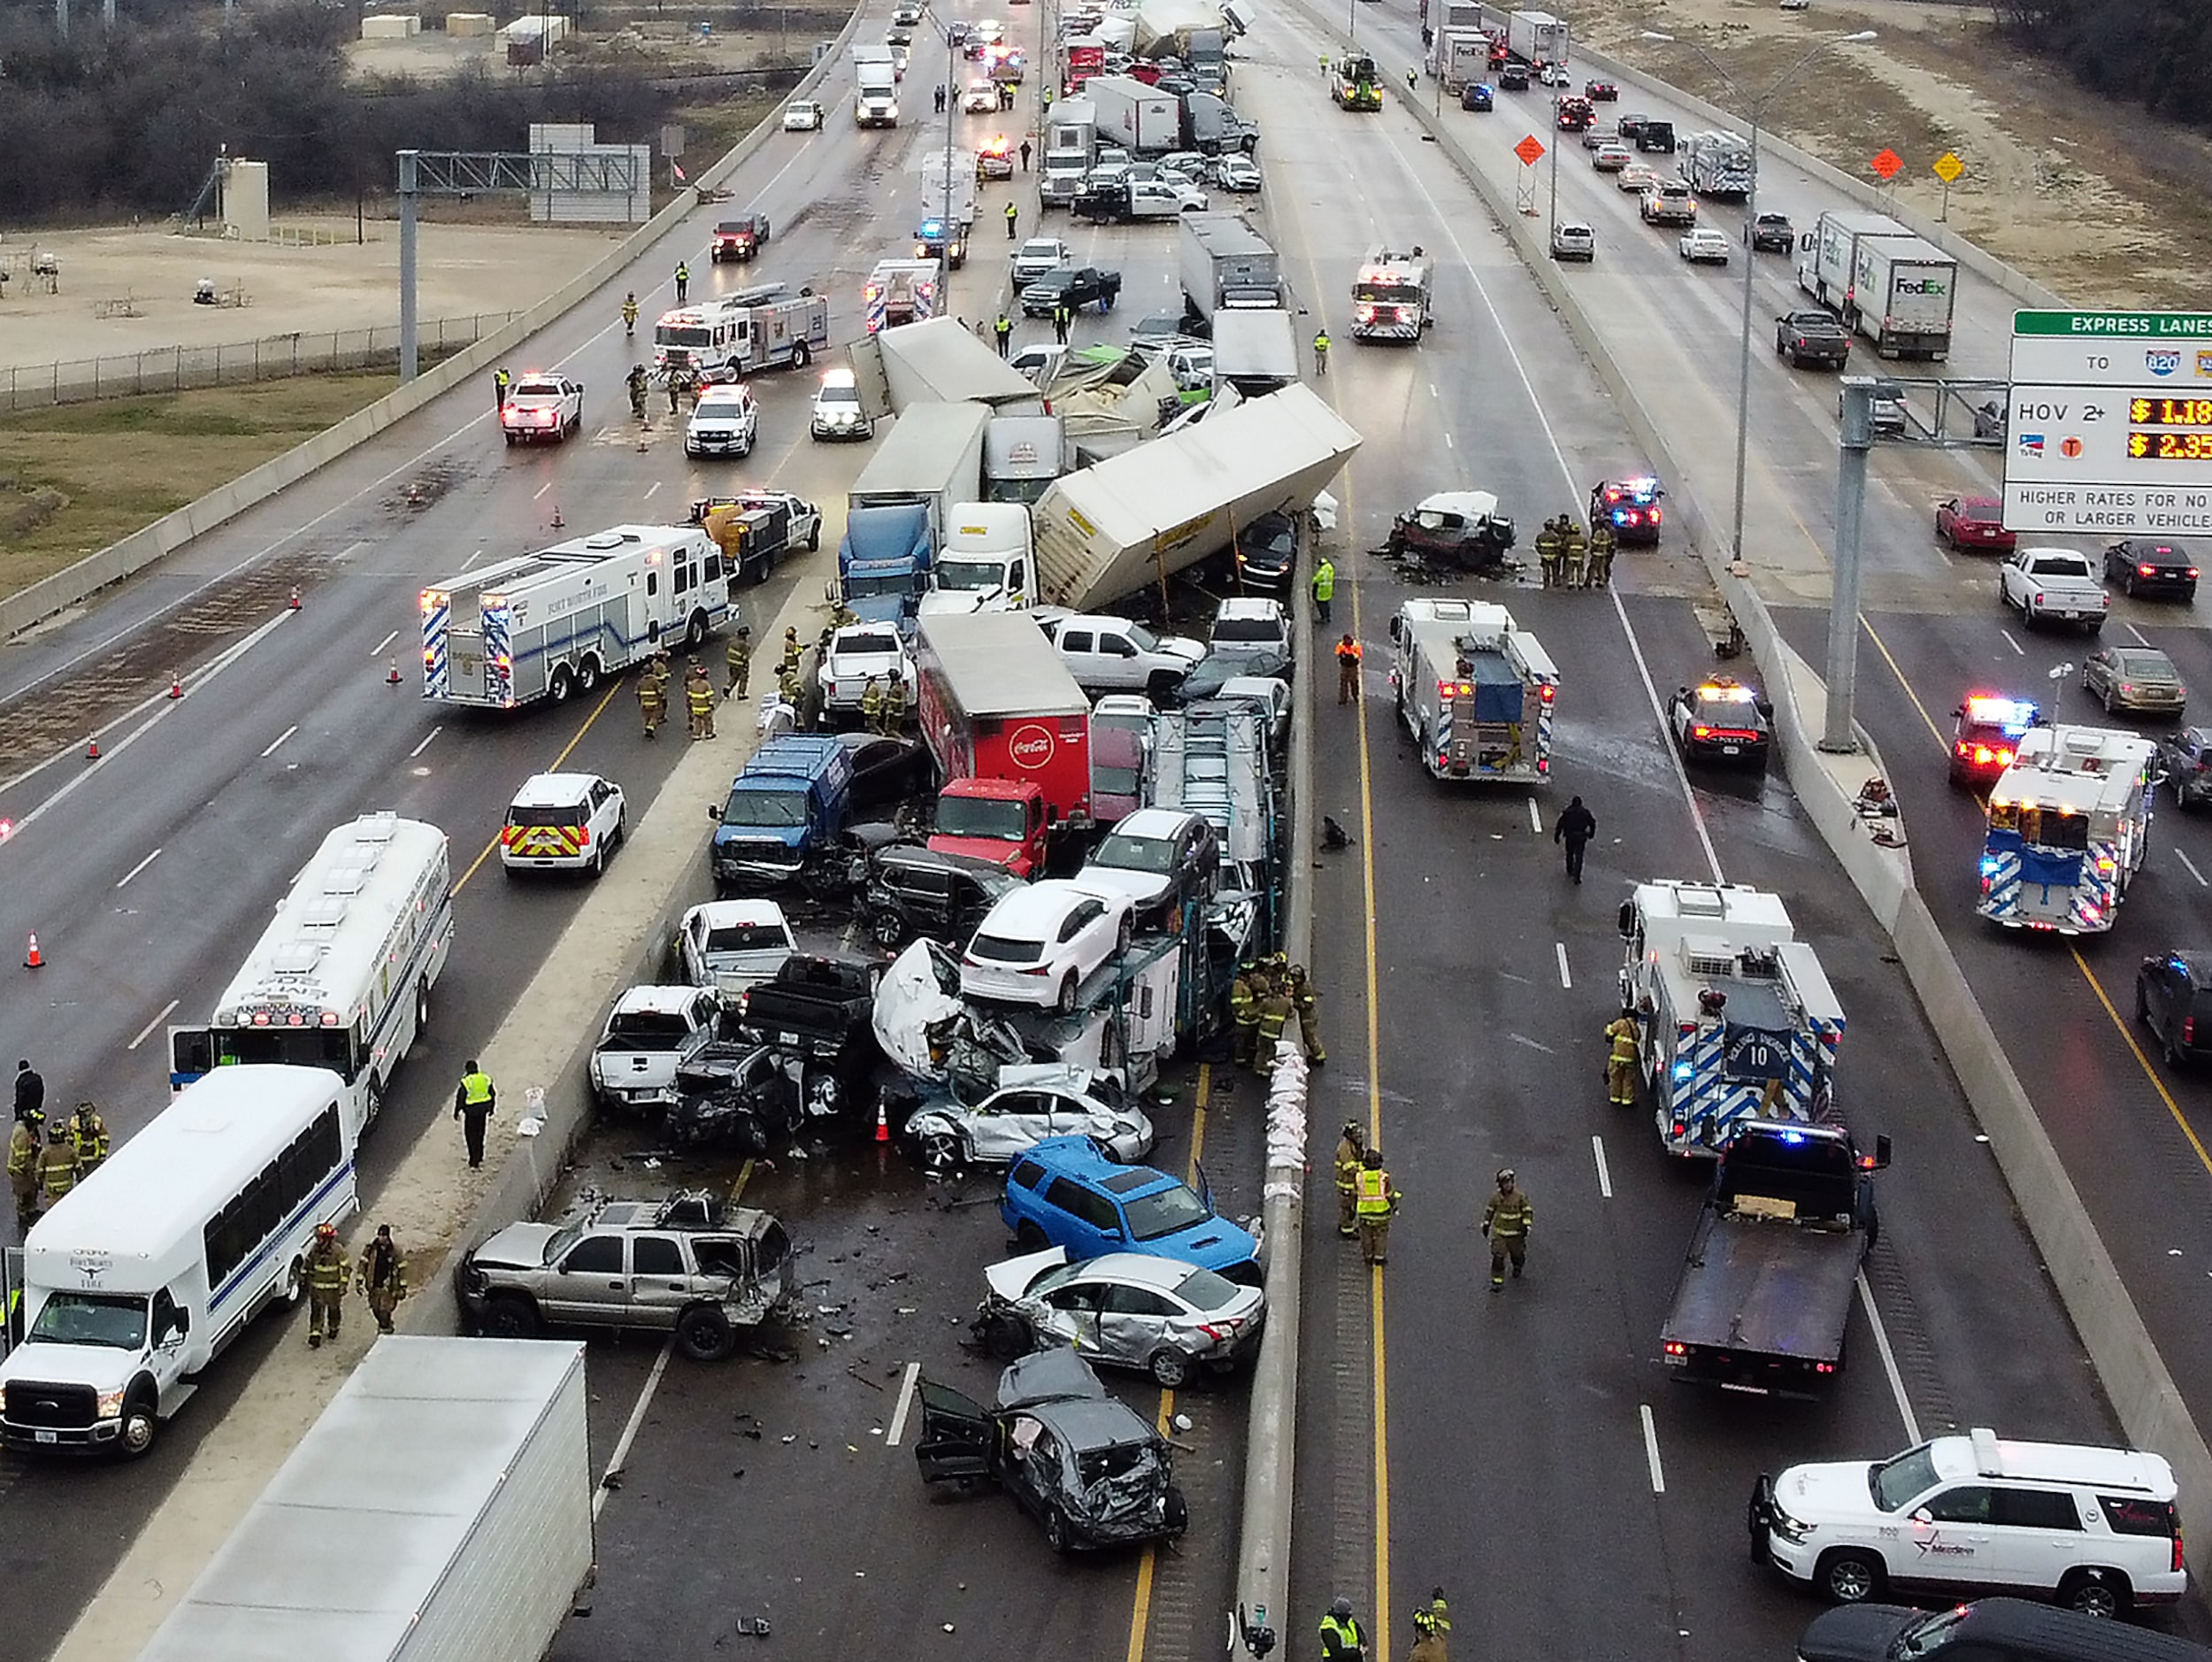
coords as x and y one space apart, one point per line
704 1333
1849 1575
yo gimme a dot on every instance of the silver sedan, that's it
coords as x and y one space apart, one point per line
2134 678
1021 1113
1124 1310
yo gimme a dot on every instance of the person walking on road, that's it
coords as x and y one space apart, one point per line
30 1094
1431 1630
1342 1638
1413 84
383 1274
326 1286
652 703
1621 1036
501 381
699 702
1575 828
1348 657
740 662
1244 1012
1003 332
1549 544
57 1166
1013 216
1374 1203
683 279
1351 1149
1324 589
472 1104
872 704
894 706
1321 355
1275 1010
1574 550
1506 1221
1307 1003
1024 155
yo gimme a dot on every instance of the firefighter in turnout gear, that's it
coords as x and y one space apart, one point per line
1244 1010
1601 547
893 705
1506 1221
1374 1203
787 687
382 1276
740 658
1621 1034
1432 1629
23 1154
326 1286
872 704
652 702
1573 551
1351 1149
1275 1012
89 1133
1308 1004
57 1166
1549 545
699 701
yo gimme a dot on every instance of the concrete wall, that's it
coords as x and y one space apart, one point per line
135 552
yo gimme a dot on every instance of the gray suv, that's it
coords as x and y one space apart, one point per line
688 1265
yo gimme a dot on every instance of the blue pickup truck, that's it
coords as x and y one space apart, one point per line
784 813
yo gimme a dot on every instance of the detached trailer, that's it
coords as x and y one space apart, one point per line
936 362
439 1509
1106 531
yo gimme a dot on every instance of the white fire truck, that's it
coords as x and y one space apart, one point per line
1737 1020
1478 693
2070 822
755 329
551 624
1391 295
900 291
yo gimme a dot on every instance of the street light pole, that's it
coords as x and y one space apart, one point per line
1751 219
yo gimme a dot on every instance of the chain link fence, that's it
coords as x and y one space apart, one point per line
179 368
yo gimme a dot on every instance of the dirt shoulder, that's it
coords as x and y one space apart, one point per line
2104 203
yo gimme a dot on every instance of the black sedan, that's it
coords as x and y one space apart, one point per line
2173 998
1072 287
1477 95
1082 1462
2184 756
1600 92
2147 566
1721 719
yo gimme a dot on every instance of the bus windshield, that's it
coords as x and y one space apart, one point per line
298 1047
115 1320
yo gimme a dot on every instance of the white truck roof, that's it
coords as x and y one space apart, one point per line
936 361
1733 913
986 528
999 663
570 562
656 1000
2084 769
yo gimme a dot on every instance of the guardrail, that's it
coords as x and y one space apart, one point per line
231 363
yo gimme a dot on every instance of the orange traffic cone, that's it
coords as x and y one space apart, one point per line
296 597
34 959
392 680
92 751
883 1125
557 522
176 683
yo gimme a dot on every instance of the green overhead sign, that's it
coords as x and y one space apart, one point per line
2116 325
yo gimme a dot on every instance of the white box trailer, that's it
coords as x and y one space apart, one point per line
936 362
933 456
556 622
1136 115
1903 290
439 1509
1105 531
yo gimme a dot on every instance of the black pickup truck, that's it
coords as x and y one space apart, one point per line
1811 337
823 1008
1765 1293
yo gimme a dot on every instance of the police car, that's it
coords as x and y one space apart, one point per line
1988 736
565 821
1721 718
1632 506
542 407
2095 1530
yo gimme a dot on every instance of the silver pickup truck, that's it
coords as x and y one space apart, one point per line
650 1033
686 1265
2054 583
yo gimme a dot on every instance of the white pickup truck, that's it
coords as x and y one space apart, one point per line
2056 583
651 1033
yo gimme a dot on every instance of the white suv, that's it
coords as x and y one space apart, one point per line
562 822
723 422
2097 1529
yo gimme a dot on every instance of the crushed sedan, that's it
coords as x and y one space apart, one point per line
1124 1310
1083 1463
1461 527
1033 1102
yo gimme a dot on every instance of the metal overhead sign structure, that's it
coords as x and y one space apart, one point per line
2109 424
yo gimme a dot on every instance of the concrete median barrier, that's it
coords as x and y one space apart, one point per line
133 553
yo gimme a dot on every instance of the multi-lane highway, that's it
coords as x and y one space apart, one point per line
1523 1450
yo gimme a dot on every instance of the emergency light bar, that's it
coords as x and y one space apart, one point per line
2016 716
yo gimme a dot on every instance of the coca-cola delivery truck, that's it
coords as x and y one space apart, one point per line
997 704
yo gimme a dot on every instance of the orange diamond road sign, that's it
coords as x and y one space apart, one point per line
1948 166
1886 165
1529 150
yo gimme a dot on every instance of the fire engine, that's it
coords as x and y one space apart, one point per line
1390 297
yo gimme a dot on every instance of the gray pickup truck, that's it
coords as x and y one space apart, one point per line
1811 337
688 1265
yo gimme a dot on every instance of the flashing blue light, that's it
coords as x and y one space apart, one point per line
1793 1136
1682 1070
1989 866
933 227
2012 716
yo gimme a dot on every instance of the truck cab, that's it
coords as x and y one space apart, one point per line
884 563
1002 820
784 814
985 564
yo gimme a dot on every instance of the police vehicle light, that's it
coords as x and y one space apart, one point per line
1989 866
1724 692
1546 694
1681 1070
1793 1136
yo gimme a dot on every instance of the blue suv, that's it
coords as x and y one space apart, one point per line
1067 1192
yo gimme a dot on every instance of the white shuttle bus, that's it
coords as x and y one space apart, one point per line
342 980
141 1274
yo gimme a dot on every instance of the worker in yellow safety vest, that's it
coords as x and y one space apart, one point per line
1374 1203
